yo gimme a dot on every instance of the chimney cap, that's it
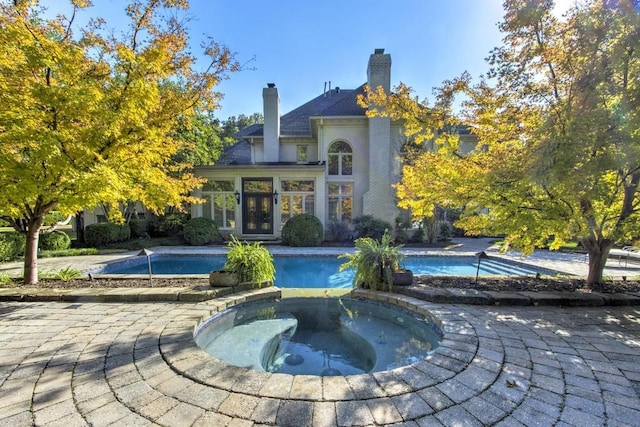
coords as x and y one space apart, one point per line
378 51
271 85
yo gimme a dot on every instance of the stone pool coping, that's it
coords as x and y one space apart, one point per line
463 359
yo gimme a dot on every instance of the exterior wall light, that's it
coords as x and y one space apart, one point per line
237 197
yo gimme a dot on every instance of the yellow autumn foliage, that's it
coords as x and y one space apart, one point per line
88 118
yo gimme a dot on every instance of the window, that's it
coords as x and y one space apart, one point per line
303 153
220 203
257 185
340 159
297 197
340 207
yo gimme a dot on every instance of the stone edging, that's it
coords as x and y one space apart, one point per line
425 293
520 298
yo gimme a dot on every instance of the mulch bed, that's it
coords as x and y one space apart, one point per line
514 284
525 283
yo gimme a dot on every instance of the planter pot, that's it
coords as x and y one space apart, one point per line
403 278
223 279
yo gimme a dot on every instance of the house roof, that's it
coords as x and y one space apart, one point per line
236 154
337 102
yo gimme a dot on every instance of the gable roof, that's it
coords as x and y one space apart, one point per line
342 102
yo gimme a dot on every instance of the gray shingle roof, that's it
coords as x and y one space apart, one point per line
296 122
236 154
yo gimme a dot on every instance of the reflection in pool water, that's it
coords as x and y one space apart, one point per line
318 336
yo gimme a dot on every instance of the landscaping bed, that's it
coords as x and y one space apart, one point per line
514 284
527 283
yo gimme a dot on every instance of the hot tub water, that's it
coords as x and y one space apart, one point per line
318 336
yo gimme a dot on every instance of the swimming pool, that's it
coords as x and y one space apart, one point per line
315 271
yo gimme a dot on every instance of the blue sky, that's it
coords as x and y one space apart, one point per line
301 44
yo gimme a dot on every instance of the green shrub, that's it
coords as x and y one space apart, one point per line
418 235
368 226
169 225
124 232
12 245
402 229
445 234
101 234
302 230
338 231
252 262
201 231
437 230
374 262
5 279
57 240
65 274
53 217
139 227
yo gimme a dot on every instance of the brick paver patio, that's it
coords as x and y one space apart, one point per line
136 364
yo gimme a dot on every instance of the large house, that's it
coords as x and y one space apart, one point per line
325 158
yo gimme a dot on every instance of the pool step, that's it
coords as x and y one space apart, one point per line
500 268
244 345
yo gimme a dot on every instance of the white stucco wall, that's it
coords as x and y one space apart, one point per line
278 174
289 149
355 133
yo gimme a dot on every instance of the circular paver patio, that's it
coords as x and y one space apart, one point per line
136 364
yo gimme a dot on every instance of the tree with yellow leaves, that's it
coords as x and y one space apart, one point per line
89 118
557 122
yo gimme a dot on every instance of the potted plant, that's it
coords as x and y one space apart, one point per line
223 278
402 277
377 263
250 262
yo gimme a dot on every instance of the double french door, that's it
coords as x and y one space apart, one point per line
257 205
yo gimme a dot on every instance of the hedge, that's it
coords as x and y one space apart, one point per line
201 231
57 240
168 225
368 226
12 245
139 227
103 233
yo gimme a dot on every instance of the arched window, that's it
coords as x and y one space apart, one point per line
340 159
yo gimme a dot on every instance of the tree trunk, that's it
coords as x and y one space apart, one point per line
31 250
80 228
598 251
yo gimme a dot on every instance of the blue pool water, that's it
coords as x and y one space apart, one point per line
318 336
315 271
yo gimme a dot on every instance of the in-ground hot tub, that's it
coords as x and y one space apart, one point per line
318 336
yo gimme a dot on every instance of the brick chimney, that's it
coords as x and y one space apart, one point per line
379 70
271 129
379 201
